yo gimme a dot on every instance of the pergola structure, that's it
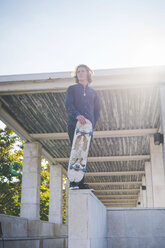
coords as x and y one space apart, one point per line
124 166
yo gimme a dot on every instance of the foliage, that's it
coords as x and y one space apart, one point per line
44 192
64 201
11 150
10 186
44 195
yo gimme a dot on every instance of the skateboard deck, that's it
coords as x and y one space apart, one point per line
79 152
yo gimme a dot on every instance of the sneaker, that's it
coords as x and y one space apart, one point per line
76 187
73 185
85 186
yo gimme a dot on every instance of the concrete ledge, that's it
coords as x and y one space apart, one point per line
136 243
33 242
135 209
136 227
13 226
40 228
87 220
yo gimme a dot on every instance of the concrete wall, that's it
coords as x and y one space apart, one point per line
87 220
20 232
136 227
88 227
38 242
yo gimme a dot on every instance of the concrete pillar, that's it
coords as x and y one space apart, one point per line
55 195
158 179
141 198
138 201
30 195
162 118
67 198
149 184
144 192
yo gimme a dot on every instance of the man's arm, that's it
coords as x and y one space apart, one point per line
97 108
69 105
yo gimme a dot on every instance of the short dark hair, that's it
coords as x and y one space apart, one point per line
90 72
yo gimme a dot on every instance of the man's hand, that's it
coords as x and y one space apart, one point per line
81 119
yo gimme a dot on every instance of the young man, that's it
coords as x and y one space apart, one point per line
81 102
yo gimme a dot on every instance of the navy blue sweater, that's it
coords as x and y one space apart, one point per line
82 101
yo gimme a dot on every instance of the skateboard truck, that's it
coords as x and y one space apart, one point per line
83 133
77 167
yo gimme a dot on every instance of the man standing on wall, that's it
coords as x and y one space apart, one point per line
81 102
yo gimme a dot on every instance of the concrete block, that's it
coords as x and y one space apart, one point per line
135 226
57 243
31 180
116 224
56 170
158 223
30 211
61 229
13 226
152 242
40 228
44 228
34 243
123 243
30 196
20 232
87 220
98 243
55 197
32 149
79 243
22 244
31 165
158 179
78 217
97 212
149 189
140 227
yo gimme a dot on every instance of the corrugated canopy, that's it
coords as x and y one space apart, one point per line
33 106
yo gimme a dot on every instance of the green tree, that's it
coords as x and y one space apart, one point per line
44 194
44 191
64 201
11 150
10 186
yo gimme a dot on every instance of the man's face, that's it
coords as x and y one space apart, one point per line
82 74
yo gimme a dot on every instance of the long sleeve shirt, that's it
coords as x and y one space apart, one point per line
82 101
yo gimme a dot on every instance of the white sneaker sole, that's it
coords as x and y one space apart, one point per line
73 188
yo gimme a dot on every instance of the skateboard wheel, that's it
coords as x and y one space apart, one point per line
84 169
71 167
90 133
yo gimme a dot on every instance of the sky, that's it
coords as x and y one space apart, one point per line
39 36
2 125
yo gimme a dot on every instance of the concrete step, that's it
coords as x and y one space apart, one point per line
34 242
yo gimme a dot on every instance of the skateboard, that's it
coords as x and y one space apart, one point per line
79 152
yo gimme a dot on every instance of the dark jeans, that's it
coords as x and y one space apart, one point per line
71 130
